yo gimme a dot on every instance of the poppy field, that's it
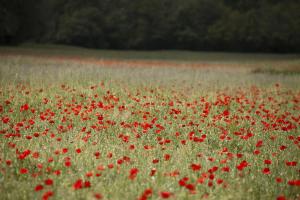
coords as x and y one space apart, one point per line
84 130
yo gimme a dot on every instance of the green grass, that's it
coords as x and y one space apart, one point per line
172 55
73 89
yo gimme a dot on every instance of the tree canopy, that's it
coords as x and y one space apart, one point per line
222 25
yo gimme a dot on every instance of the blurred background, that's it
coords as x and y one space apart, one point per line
206 25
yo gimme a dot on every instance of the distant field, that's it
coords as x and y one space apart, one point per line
97 124
165 55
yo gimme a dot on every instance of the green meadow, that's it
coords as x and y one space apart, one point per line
77 123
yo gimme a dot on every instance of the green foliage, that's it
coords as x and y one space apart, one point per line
81 27
9 22
194 22
235 25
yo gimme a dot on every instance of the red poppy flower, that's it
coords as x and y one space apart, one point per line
165 195
24 154
8 162
98 196
97 154
78 184
226 169
48 182
87 184
57 172
46 195
155 161
190 187
68 163
195 167
182 182
38 187
256 152
278 180
281 198
109 155
153 171
110 166
64 150
23 171
266 170
167 157
294 182
291 163
268 162
131 147
78 150
120 161
259 143
35 154
24 107
5 120
239 155
226 113
133 173
282 147
242 165
146 194
219 181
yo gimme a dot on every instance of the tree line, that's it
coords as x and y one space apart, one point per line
214 25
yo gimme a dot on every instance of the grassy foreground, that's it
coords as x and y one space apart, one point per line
83 130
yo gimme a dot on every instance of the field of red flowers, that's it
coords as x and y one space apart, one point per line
92 133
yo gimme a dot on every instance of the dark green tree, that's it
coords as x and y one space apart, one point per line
229 25
81 27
